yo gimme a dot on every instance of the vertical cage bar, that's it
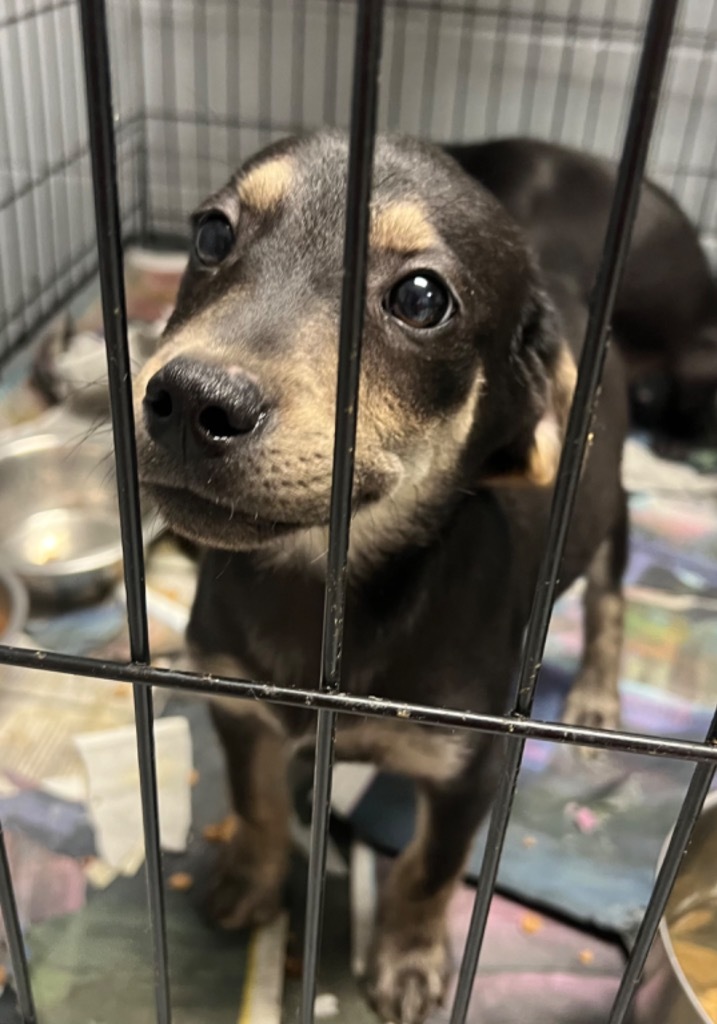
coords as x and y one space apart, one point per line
430 69
109 245
137 25
172 142
708 194
565 71
331 64
13 933
397 63
233 95
25 235
531 74
694 116
200 55
682 833
463 72
38 62
364 102
627 191
497 70
606 33
298 58
266 52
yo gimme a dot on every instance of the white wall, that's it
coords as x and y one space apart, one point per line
219 78
452 69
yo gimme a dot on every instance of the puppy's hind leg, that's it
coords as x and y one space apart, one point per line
594 699
247 882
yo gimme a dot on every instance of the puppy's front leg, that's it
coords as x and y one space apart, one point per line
411 964
247 882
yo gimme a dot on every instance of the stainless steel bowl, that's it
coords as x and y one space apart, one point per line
60 522
666 994
13 608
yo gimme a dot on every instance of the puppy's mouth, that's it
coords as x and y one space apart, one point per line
215 522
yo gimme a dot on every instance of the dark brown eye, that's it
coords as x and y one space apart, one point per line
213 239
421 301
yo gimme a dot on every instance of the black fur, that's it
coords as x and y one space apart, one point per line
665 317
438 598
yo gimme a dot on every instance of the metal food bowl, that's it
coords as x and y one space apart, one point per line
686 946
13 608
60 522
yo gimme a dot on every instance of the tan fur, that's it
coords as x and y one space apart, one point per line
229 668
196 338
416 458
550 432
402 227
398 746
421 480
594 698
544 456
254 863
416 751
566 375
411 939
264 187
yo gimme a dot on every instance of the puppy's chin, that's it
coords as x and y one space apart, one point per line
215 524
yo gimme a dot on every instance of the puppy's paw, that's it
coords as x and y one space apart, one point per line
407 982
589 705
244 892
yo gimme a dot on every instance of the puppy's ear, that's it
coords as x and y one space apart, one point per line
549 434
539 393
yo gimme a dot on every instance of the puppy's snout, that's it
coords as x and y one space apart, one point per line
194 409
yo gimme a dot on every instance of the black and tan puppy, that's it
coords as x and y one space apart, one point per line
665 316
466 380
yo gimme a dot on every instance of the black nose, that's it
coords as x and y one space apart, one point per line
194 409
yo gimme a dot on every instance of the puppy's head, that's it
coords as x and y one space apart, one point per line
463 375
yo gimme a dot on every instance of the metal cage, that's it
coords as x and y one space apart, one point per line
128 156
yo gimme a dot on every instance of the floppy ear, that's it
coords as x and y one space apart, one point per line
538 395
549 434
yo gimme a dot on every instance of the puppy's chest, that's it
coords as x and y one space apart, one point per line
273 626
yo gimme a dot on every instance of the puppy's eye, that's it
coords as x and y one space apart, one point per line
214 239
421 300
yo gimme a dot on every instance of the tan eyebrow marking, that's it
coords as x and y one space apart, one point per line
402 227
266 185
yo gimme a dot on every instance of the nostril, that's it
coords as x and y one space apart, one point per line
160 402
218 423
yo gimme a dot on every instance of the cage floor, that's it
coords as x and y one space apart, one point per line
87 928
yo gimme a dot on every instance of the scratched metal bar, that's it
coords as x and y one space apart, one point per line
13 935
344 703
109 248
679 841
364 102
627 191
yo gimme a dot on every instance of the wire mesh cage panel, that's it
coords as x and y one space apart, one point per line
198 87
46 216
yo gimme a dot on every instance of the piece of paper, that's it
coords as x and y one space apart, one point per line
642 471
113 790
